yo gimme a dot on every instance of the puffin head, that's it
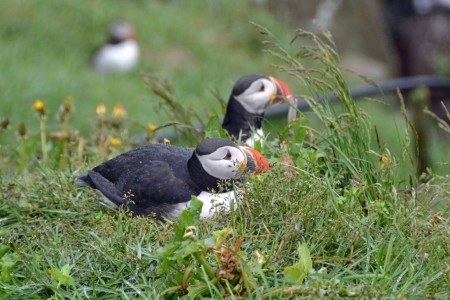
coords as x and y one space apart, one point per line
223 159
120 31
256 92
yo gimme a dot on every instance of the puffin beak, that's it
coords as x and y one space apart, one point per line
283 91
133 36
260 163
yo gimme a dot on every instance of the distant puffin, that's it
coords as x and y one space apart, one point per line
160 179
249 99
121 51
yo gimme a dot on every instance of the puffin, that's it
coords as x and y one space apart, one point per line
250 97
121 51
160 179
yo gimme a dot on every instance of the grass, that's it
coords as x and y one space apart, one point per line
339 221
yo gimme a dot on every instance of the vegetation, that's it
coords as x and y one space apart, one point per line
332 219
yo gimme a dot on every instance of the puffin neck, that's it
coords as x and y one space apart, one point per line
114 40
200 177
238 118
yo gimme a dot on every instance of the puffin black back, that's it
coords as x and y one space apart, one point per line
134 159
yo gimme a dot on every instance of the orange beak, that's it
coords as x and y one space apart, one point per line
259 160
283 91
133 36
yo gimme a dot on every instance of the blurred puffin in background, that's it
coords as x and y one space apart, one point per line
251 96
160 179
120 53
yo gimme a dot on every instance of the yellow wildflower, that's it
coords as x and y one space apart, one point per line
100 110
39 106
119 111
115 142
151 127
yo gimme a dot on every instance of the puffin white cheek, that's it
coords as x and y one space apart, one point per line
220 169
256 102
223 168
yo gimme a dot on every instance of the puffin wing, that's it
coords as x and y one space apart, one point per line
104 186
155 188
127 163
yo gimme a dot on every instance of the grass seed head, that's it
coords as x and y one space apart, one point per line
22 130
4 124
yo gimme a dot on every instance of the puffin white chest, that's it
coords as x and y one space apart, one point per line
117 58
213 203
257 135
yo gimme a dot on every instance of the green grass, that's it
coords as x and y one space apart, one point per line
347 219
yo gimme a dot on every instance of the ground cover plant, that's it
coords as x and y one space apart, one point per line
331 219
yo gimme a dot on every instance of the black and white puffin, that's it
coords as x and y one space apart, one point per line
249 99
160 179
121 51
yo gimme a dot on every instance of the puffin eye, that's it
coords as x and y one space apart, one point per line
261 88
228 155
